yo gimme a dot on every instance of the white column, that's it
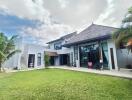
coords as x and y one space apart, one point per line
111 44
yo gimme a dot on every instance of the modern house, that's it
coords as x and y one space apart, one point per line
91 48
31 56
60 55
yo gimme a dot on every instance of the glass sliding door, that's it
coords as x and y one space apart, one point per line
89 53
84 56
105 54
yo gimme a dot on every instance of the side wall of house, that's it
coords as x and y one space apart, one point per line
34 49
63 50
14 61
124 58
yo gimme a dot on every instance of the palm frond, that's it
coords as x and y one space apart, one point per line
13 37
128 19
130 10
119 40
10 45
3 41
2 54
12 53
127 37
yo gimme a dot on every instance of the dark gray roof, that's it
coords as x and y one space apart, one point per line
65 37
91 33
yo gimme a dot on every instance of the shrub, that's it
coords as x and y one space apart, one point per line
47 60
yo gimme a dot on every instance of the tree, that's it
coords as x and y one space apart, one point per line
7 48
123 36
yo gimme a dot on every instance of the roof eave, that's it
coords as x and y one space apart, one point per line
89 40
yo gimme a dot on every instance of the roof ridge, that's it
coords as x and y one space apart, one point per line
69 34
104 25
62 37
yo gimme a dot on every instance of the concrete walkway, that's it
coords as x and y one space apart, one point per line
121 73
28 69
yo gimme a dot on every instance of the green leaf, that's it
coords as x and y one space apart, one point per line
12 53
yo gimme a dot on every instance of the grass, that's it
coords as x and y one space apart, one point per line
58 84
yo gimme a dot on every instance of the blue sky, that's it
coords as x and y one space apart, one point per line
40 21
11 25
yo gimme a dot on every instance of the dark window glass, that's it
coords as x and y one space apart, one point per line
89 53
57 46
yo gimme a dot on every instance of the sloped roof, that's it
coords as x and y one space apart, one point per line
65 37
91 33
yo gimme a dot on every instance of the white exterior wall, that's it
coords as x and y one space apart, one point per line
20 60
57 61
35 49
124 58
51 46
64 50
14 61
111 44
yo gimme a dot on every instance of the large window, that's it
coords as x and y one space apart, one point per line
105 54
89 53
57 46
75 55
39 59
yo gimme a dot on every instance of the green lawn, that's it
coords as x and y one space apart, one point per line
57 84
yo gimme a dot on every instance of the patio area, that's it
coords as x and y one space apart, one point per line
125 73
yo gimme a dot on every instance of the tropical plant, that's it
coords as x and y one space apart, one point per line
7 48
123 35
47 60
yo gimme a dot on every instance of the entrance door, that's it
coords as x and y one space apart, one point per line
31 60
52 62
64 59
112 58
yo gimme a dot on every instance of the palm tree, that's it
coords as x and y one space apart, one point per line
123 36
7 48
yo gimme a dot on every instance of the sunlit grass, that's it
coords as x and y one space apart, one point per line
57 84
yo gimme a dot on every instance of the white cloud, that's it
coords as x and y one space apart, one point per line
70 15
106 13
114 13
63 3
26 9
77 13
34 10
45 33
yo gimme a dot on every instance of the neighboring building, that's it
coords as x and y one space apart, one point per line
31 56
60 55
94 45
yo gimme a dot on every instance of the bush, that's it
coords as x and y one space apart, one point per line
47 60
